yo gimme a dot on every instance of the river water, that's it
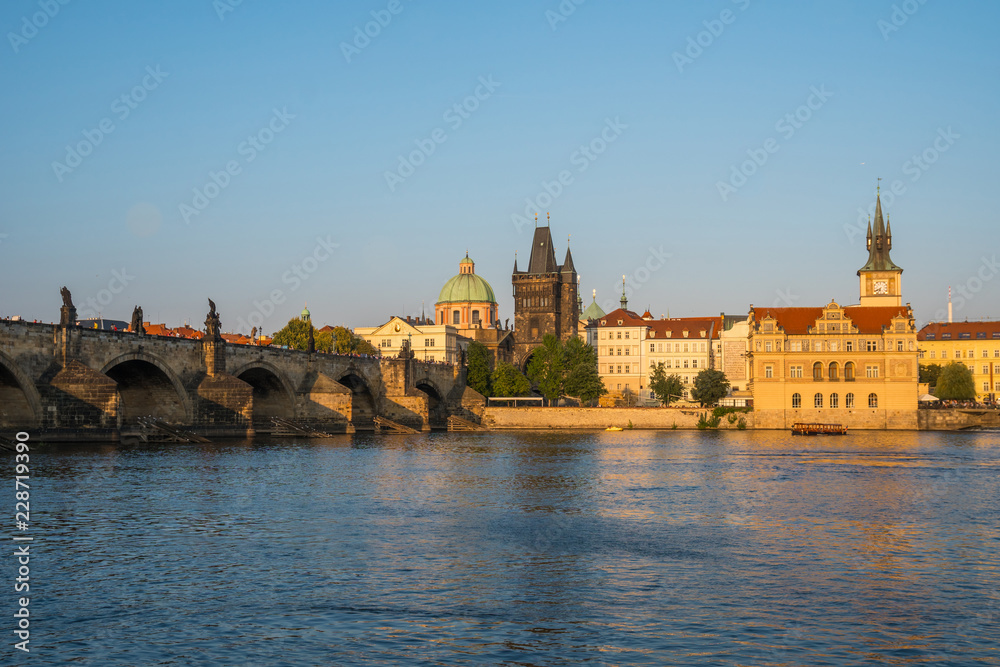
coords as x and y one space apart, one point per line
686 548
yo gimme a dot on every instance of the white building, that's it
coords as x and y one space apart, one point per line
429 342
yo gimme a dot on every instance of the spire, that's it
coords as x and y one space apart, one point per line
869 246
878 243
567 266
515 261
888 232
543 256
624 300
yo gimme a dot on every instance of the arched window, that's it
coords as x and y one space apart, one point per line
849 401
834 401
849 371
834 371
872 400
817 371
818 400
796 401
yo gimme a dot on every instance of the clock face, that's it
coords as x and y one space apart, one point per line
880 287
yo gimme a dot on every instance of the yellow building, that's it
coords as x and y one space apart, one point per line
850 365
428 342
976 344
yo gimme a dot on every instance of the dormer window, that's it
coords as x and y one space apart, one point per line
685 333
702 333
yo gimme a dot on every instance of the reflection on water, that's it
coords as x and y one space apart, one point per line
521 549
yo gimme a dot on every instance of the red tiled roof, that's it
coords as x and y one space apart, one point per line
158 330
678 325
868 319
187 332
991 329
628 318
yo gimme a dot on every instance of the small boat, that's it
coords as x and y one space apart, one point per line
802 428
613 428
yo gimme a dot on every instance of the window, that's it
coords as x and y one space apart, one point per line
996 353
386 342
602 335
986 354
769 371
849 401
958 354
817 371
475 317
456 317
833 346
795 372
849 346
964 334
685 347
986 369
619 352
694 363
619 369
871 345
986 386
818 400
626 334
626 368
619 335
834 370
871 371
930 336
796 401
996 368
652 347
998 386
685 363
428 342
932 354
849 371
946 336
899 346
834 401
872 400
767 346
659 347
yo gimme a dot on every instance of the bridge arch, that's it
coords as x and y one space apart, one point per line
148 386
436 408
363 399
273 395
20 403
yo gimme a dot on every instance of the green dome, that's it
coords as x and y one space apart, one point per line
466 287
593 312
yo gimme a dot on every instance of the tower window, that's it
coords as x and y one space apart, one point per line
456 317
475 317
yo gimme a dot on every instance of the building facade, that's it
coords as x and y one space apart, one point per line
428 342
468 304
545 298
851 365
975 344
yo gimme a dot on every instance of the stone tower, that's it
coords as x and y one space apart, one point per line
545 299
880 278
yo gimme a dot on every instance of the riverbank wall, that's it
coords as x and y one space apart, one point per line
601 418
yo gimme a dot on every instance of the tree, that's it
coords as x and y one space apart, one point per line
709 386
955 383
665 387
508 381
581 378
478 375
930 373
546 368
296 336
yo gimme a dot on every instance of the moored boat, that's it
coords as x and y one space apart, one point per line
803 428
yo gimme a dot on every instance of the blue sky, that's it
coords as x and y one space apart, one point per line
672 99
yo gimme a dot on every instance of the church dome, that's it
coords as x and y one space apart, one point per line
466 287
593 312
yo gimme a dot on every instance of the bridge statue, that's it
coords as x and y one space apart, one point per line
213 326
67 314
136 326
311 343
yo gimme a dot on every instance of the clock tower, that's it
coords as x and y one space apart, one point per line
880 278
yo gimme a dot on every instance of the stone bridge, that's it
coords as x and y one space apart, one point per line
82 383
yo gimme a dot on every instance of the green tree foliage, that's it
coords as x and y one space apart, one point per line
508 381
296 336
665 387
709 386
581 378
546 368
930 373
478 375
955 383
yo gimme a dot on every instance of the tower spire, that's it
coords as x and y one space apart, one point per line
624 300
